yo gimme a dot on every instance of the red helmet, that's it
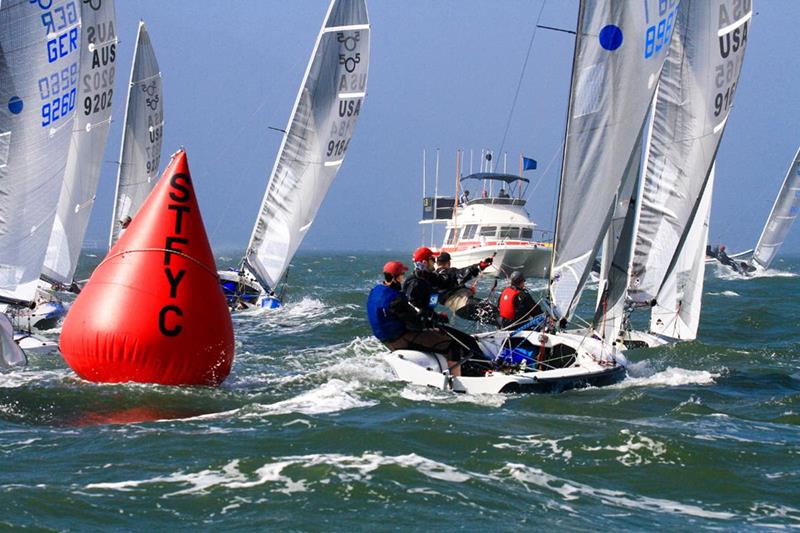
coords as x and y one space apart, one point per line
394 268
423 253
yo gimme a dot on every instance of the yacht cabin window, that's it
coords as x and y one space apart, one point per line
526 234
488 231
450 236
469 232
508 232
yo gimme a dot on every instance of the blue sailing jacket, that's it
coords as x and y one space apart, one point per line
385 326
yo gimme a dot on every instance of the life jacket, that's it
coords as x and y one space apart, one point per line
506 303
384 325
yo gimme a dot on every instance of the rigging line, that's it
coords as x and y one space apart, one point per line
559 150
521 77
233 140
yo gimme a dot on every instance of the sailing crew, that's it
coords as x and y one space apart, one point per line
503 193
423 285
455 295
516 304
123 225
464 198
398 325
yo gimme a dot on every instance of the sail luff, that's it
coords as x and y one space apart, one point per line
140 152
36 121
112 230
272 176
320 129
676 314
559 216
88 141
781 217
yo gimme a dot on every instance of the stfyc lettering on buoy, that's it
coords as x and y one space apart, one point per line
180 195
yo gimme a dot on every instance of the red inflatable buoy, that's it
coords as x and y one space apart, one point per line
153 310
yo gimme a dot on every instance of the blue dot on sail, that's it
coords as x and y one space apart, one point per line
611 37
15 105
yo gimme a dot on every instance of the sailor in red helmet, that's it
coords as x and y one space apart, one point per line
516 304
423 285
398 325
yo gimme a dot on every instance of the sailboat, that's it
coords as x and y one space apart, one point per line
313 149
142 132
779 222
670 218
39 78
617 61
86 149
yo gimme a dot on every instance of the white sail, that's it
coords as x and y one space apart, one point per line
39 63
10 353
677 313
618 254
89 134
317 137
781 218
140 154
694 100
619 51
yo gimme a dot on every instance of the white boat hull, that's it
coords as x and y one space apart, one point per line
34 344
532 261
590 367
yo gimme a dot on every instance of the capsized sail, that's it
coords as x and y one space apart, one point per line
317 137
39 56
140 154
619 52
694 100
677 313
98 53
781 218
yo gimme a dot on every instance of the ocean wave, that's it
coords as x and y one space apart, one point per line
347 468
417 393
642 374
726 273
331 397
724 293
570 490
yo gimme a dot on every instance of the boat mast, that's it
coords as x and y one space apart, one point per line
578 27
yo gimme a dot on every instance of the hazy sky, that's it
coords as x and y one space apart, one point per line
442 75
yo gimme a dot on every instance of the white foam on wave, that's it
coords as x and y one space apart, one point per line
417 393
724 293
642 374
726 273
638 449
570 490
21 378
537 443
331 397
346 468
295 317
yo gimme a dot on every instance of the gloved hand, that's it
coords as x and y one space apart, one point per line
442 318
485 263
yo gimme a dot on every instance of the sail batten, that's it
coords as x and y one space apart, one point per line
618 57
781 217
87 145
317 137
140 151
36 122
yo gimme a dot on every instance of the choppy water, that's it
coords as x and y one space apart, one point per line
311 432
